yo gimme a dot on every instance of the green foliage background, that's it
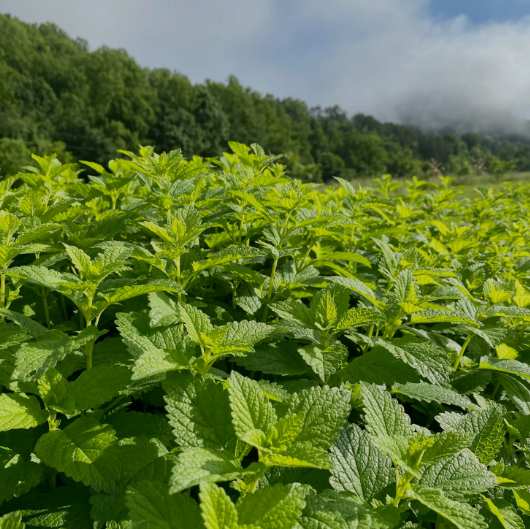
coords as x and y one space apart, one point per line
214 345
57 96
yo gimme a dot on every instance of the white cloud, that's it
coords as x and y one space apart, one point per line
389 58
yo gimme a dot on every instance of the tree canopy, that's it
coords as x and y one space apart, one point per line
58 96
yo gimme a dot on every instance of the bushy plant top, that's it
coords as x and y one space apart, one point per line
212 345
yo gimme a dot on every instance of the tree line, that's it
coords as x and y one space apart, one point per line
58 96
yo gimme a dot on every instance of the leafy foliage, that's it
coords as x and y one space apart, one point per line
217 346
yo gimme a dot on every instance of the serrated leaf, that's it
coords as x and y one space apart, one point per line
18 410
151 505
488 429
459 476
199 412
383 415
195 466
359 288
164 310
218 511
31 326
513 367
461 515
85 451
155 351
34 359
251 409
272 507
445 445
430 393
441 316
136 424
324 411
12 520
280 358
505 513
17 474
429 360
358 466
324 361
378 366
98 385
197 323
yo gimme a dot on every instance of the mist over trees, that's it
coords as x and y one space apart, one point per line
58 96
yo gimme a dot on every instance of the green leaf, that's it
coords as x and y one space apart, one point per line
80 260
236 338
199 412
136 424
461 515
378 366
383 415
445 445
344 256
357 317
429 360
514 478
218 511
18 410
512 367
251 409
488 428
324 361
460 476
273 507
505 512
98 385
40 275
441 316
17 474
164 311
11 335
31 326
65 507
151 505
280 358
358 466
324 411
120 294
195 466
12 520
197 323
85 451
295 311
155 351
430 393
359 288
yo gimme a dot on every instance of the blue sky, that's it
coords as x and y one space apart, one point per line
480 11
427 62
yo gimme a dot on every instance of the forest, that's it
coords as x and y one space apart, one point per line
58 96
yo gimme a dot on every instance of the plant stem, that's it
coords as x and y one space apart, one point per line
253 485
45 303
179 279
398 478
269 293
461 353
63 307
370 333
2 294
241 227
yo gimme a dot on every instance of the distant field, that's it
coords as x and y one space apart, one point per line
469 183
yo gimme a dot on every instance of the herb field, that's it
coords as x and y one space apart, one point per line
209 344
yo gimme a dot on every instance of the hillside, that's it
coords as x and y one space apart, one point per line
57 95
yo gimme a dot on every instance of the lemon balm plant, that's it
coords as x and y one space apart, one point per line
211 344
